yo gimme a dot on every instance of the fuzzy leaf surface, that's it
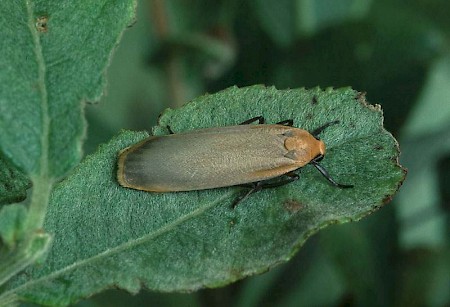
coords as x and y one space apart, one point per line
109 236
13 183
52 58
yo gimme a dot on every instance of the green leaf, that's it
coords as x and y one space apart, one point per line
13 183
286 21
277 19
11 224
106 235
13 252
426 278
315 15
13 231
53 56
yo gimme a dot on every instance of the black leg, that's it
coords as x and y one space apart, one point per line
169 129
265 184
287 122
317 131
326 175
256 187
260 120
291 176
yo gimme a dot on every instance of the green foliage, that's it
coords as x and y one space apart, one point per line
53 59
186 241
13 183
41 117
285 21
11 224
395 51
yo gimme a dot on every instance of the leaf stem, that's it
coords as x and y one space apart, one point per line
31 247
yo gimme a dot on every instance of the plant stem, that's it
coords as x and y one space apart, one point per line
30 248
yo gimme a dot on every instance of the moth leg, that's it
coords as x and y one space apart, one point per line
169 129
291 176
255 188
287 122
324 172
315 133
265 184
261 120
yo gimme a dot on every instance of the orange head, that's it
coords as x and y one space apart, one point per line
303 147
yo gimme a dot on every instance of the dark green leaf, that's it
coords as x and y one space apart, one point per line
13 183
426 278
106 235
277 19
316 15
285 21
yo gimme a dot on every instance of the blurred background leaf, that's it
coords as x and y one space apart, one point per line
396 51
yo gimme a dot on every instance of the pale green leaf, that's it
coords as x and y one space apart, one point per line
109 236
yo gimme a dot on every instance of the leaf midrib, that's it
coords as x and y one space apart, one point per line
45 118
40 176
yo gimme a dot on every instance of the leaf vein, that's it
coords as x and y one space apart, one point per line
129 244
